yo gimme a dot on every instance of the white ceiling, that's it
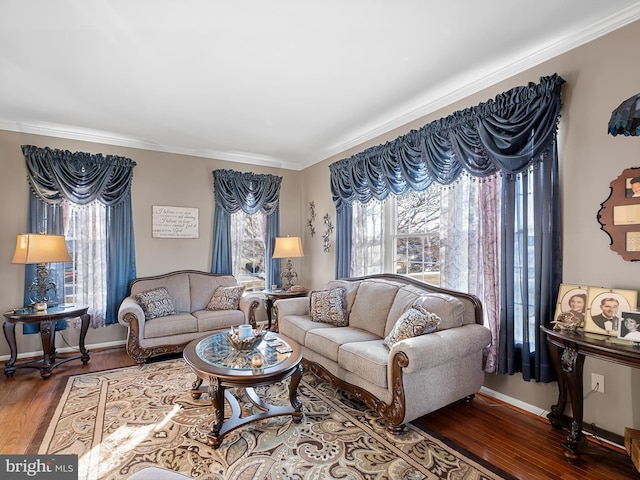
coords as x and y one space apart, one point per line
283 83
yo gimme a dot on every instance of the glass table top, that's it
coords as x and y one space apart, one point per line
216 351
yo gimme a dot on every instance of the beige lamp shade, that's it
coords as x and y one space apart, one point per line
288 247
40 248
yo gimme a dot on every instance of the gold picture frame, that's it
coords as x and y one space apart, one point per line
572 299
604 309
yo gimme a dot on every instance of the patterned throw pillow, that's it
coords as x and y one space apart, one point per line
226 298
155 303
415 321
329 306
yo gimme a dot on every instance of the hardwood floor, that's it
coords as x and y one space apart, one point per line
521 444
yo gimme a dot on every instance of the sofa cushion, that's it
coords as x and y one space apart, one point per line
296 326
450 309
329 306
177 285
202 286
170 325
155 303
351 290
367 359
327 341
371 306
209 320
226 298
415 321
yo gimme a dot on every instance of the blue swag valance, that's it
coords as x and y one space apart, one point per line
56 175
507 134
251 193
246 191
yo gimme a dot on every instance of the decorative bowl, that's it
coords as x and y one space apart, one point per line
246 344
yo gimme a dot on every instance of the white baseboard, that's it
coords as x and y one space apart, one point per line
539 412
527 407
38 353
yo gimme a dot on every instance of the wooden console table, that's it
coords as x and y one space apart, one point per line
47 320
568 351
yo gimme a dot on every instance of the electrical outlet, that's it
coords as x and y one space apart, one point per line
597 382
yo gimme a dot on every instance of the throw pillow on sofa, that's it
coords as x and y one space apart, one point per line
412 323
226 298
329 306
155 303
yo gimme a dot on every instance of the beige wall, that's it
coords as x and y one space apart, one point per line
159 179
599 75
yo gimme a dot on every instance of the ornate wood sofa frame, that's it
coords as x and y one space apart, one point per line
190 291
417 375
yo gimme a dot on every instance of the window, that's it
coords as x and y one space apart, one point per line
248 233
416 235
85 279
413 246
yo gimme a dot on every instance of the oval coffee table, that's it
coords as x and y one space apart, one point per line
212 358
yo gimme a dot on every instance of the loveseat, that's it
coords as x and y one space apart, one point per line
351 335
164 313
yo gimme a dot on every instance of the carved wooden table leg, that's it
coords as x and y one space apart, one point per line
293 395
47 333
572 366
216 393
10 334
557 410
84 327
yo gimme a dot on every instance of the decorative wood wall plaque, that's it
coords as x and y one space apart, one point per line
619 215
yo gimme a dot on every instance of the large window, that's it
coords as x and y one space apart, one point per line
412 246
248 234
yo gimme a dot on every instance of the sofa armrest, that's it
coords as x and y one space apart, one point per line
292 306
131 315
249 305
443 346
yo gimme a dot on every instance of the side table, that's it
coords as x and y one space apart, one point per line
47 320
273 295
567 352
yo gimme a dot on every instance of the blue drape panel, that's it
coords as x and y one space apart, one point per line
251 193
344 240
81 178
535 291
510 134
121 256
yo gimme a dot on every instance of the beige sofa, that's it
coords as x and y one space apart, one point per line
189 294
416 375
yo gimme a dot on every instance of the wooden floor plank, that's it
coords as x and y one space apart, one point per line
517 442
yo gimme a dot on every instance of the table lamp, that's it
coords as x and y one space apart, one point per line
288 247
40 249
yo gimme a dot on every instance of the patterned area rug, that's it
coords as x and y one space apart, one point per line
123 420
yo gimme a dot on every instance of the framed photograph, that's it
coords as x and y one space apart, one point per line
572 299
630 326
604 307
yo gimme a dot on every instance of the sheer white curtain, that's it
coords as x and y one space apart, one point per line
469 251
85 231
367 255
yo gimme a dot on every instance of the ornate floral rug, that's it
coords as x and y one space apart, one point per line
120 421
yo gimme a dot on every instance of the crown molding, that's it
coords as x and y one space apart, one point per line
469 86
106 138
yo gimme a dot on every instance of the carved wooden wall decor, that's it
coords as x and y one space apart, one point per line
619 215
